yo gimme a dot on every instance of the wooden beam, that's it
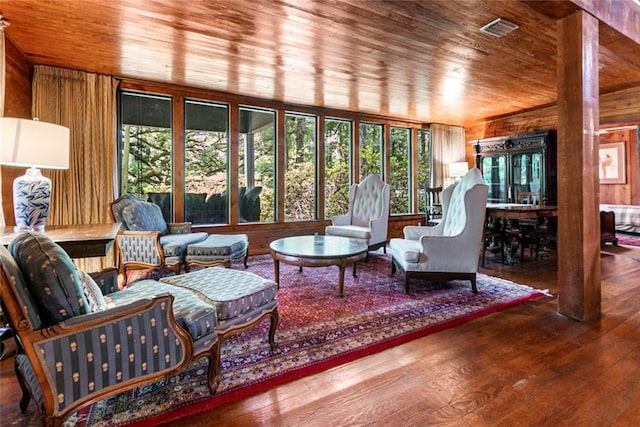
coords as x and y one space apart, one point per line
578 182
621 15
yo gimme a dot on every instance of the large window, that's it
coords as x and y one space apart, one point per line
300 172
424 166
146 156
206 160
400 172
257 167
207 166
337 166
371 137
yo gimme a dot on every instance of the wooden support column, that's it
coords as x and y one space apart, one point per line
578 182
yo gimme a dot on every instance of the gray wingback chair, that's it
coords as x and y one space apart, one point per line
146 240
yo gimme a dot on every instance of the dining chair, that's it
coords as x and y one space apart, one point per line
433 211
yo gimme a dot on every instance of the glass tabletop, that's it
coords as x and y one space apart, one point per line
318 246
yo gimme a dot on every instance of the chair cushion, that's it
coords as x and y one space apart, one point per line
218 245
144 216
15 279
175 245
92 292
51 276
232 292
352 231
119 204
407 250
197 317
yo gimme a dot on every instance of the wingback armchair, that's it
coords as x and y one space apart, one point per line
368 215
451 249
146 240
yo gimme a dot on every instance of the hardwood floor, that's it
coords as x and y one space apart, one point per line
527 365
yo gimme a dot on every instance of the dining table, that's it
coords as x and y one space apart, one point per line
514 211
516 224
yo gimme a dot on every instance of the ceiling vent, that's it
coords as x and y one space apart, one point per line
499 27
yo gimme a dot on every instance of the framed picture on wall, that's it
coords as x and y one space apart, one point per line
612 167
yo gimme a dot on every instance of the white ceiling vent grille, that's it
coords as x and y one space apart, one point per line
499 27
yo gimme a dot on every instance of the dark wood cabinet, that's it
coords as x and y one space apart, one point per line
520 168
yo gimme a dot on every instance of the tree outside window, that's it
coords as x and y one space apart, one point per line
256 161
145 154
424 166
337 166
206 160
400 172
300 173
371 137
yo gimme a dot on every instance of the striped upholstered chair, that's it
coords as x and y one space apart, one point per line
146 240
70 356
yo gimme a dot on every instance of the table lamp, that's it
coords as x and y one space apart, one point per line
34 144
457 170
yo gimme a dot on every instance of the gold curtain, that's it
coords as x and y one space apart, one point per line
85 103
447 146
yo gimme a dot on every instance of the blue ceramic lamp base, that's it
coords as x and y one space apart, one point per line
31 197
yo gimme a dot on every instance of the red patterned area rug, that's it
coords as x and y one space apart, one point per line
628 239
317 331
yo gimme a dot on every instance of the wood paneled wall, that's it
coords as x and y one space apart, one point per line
17 103
622 107
615 108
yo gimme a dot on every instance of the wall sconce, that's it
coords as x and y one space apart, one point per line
34 144
457 170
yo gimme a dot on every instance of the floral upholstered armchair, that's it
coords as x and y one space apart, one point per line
146 240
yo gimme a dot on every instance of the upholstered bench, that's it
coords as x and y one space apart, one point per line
217 249
241 299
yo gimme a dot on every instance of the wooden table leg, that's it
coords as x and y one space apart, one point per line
341 280
276 271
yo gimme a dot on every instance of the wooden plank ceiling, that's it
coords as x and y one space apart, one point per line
423 60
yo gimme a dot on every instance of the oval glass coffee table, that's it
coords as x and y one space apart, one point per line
318 251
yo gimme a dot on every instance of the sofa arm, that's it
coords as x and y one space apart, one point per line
451 253
140 249
341 219
415 232
379 228
179 227
88 357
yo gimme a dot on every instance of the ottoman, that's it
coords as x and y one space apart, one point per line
242 300
217 249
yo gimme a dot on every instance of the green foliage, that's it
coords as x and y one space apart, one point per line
337 167
400 140
147 152
370 149
149 155
424 166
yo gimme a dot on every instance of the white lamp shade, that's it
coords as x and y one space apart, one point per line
458 169
33 143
